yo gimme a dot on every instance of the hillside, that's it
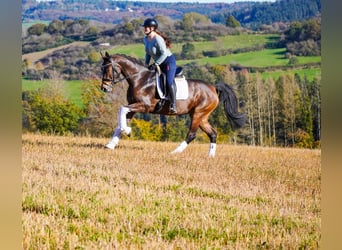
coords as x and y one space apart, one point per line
249 14
78 195
36 56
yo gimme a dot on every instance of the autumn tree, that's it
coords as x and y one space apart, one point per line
270 129
101 108
192 20
47 110
232 22
37 29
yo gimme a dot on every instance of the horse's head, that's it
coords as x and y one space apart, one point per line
109 73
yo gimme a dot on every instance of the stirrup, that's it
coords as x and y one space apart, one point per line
159 106
173 109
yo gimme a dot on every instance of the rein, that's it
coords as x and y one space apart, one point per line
120 79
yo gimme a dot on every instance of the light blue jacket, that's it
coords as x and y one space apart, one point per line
156 48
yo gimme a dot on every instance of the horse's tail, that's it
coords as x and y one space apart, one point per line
227 96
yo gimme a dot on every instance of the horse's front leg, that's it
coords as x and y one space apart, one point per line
122 127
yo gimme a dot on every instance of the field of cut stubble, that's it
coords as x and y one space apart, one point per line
77 195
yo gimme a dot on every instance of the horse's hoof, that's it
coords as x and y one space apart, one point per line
127 131
180 148
110 146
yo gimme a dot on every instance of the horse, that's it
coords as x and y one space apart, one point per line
142 97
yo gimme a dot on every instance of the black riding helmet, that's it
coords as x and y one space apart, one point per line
150 22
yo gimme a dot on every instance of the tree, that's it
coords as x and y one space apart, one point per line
305 118
37 29
270 104
304 38
100 109
192 20
315 96
48 111
248 91
288 96
188 51
55 27
94 57
232 22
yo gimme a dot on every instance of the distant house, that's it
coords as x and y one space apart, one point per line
104 44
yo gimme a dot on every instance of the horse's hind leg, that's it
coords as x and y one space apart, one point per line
190 136
212 134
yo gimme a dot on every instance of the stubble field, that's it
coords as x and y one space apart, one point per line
77 195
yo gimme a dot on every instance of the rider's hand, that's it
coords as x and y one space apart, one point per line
155 67
152 67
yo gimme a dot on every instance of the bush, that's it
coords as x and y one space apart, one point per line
303 139
49 113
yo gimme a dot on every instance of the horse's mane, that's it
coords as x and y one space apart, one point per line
133 59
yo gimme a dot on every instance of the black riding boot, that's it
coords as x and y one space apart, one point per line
172 96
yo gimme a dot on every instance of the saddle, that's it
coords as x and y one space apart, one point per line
180 81
182 90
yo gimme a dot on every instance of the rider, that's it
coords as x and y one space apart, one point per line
158 46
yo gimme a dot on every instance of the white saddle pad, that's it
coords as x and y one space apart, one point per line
182 89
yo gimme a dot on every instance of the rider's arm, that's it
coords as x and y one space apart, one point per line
147 55
163 51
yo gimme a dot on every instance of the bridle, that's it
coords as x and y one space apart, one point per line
112 80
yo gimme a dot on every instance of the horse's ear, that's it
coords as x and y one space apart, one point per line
101 54
107 55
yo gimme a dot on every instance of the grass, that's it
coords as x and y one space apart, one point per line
77 195
224 42
72 89
260 58
309 73
29 24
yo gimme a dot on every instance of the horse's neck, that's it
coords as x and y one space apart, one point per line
131 69
135 74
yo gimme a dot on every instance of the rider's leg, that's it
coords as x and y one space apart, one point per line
170 71
172 95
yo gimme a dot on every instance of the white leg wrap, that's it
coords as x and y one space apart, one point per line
122 121
121 128
180 148
212 149
115 140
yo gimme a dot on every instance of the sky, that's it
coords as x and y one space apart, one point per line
194 1
204 1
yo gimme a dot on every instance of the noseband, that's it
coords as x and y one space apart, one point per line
112 80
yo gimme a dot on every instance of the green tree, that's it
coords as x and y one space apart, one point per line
305 118
55 27
100 109
50 113
232 22
37 29
94 57
188 51
192 20
146 130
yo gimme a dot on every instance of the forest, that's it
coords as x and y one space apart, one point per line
249 13
282 111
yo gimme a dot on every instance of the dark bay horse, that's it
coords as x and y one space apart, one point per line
142 97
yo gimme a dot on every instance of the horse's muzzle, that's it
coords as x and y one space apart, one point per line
106 88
